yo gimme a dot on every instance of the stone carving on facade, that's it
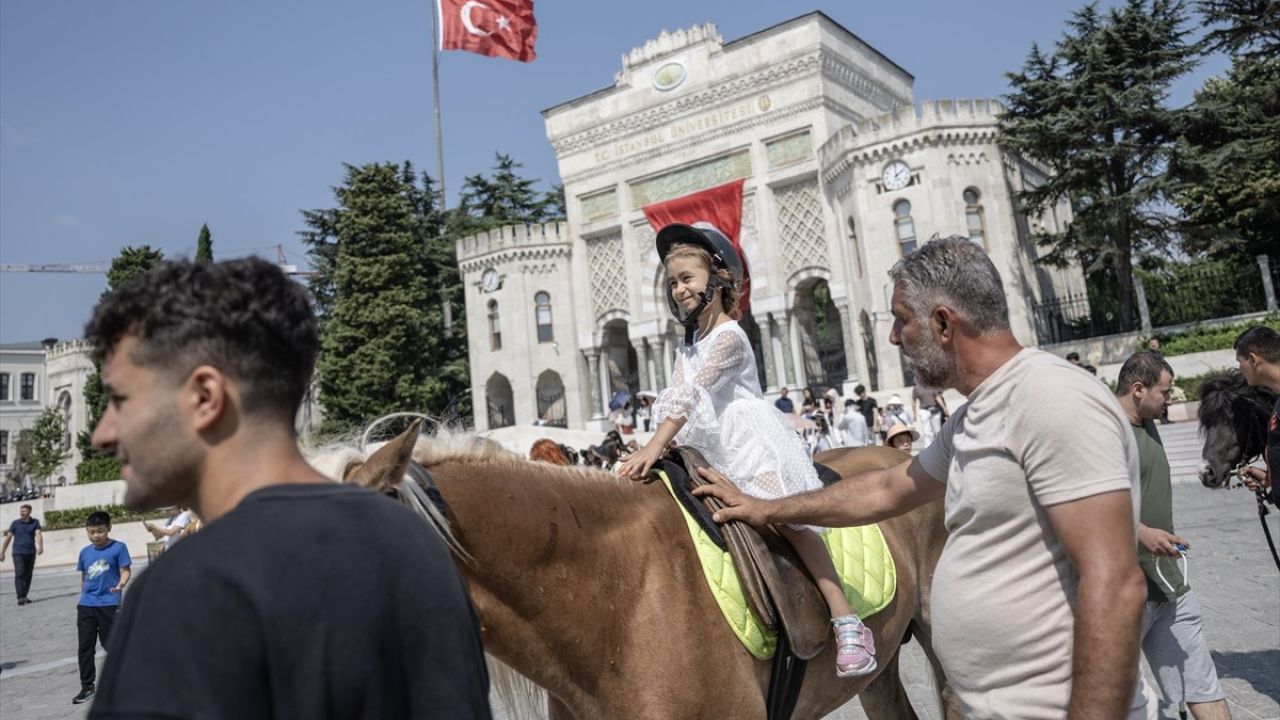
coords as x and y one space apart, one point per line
775 116
800 226
977 158
691 179
608 273
665 114
862 84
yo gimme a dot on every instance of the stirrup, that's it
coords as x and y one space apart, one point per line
855 647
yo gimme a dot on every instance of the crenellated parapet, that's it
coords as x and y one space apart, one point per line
670 42
519 243
936 123
69 348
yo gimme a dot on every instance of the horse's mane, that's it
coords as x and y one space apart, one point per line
1227 400
519 695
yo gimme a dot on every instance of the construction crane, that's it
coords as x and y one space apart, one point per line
96 269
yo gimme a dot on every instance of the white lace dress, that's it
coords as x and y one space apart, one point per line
716 388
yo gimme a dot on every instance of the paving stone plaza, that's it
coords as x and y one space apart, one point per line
1230 570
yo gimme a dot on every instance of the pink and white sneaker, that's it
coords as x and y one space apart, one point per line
855 647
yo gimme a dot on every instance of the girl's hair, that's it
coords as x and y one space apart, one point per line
730 292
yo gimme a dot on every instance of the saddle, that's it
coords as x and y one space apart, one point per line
777 587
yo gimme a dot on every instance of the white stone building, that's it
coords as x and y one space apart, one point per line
842 172
34 376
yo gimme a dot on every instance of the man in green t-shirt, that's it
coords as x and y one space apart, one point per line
1172 640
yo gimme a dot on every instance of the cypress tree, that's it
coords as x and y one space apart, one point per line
204 245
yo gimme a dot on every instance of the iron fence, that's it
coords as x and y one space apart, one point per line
551 408
1189 296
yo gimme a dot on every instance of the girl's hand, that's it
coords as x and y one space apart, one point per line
636 466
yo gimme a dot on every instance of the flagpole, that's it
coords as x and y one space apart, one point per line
435 91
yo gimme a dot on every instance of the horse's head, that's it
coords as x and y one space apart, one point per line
1233 421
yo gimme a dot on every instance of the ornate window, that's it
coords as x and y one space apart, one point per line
4 447
495 328
542 313
27 391
905 226
973 216
4 386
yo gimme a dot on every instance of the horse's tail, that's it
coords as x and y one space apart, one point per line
520 697
921 625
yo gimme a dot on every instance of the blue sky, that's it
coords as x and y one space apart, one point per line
134 121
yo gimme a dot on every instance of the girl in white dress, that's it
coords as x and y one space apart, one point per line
715 405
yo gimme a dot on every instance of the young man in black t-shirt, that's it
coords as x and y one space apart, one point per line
300 597
1258 354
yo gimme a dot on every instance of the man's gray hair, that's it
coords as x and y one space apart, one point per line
956 272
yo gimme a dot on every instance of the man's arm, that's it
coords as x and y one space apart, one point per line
859 500
1097 534
39 541
7 537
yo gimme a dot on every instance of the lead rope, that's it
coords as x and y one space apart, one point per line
1263 511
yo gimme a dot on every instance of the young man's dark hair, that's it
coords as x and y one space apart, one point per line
1073 357
99 518
859 389
241 316
1144 367
1261 341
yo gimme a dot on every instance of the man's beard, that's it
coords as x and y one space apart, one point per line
932 366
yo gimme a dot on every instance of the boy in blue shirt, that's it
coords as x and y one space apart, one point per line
104 571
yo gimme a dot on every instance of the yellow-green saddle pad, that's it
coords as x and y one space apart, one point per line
860 555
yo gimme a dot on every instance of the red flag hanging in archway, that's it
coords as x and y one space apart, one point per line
721 206
496 28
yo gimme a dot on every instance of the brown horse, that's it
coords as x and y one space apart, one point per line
589 586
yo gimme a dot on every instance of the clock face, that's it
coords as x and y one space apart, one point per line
489 281
896 175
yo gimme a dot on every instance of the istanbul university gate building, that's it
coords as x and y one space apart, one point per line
842 173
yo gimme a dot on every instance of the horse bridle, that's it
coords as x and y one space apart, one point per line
1258 433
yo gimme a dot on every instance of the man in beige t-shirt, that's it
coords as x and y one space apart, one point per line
1037 597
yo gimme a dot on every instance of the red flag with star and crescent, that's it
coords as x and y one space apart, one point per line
496 28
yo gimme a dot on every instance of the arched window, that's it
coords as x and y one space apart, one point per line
853 241
495 329
905 226
973 216
542 312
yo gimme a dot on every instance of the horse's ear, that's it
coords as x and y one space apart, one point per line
386 467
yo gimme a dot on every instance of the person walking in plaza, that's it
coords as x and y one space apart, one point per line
174 528
1172 635
852 428
1037 598
28 542
868 407
783 402
715 405
895 413
104 571
303 597
1258 357
930 408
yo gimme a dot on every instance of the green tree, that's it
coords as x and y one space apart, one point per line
378 345
1228 162
1094 112
204 245
130 263
47 444
1242 27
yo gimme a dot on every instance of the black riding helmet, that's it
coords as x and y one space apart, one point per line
723 255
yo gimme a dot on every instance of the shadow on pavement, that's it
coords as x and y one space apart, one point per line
1256 667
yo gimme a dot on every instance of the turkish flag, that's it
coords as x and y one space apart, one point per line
721 206
496 28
